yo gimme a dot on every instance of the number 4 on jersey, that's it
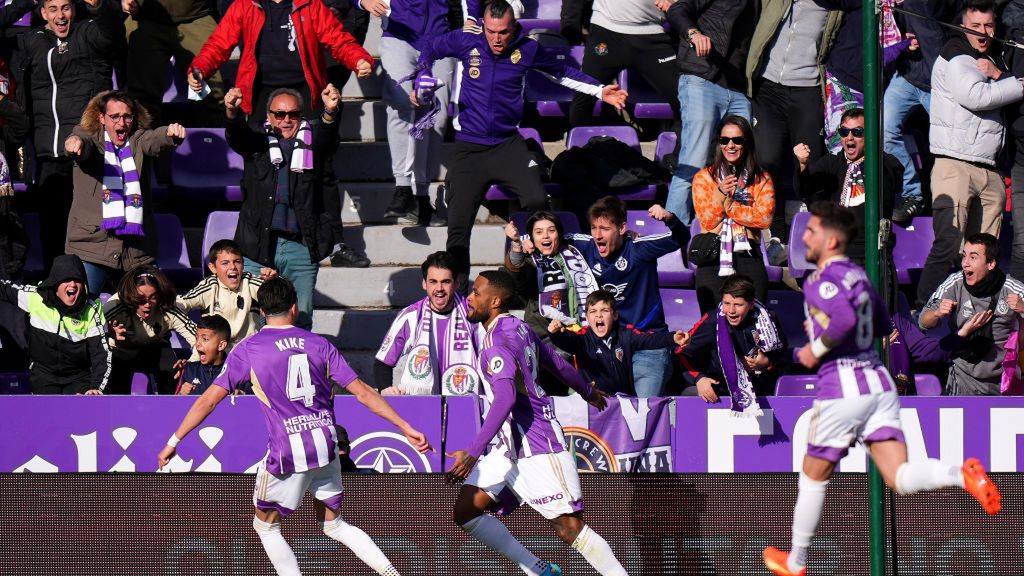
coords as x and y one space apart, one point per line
300 385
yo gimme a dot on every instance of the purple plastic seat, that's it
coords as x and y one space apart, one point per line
796 385
204 167
681 309
550 98
648 103
664 145
19 186
788 306
177 86
672 271
172 253
34 258
544 30
927 385
912 246
220 225
798 264
544 9
140 384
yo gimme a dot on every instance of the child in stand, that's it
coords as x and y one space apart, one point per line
212 336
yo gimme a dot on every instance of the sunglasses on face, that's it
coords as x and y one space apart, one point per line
857 132
282 114
737 140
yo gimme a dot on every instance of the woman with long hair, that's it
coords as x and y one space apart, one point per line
142 315
734 201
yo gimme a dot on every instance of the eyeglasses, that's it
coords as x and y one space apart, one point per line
857 132
282 114
115 118
737 140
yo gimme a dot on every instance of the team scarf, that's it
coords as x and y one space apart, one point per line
6 187
302 156
563 282
889 32
853 184
426 122
733 236
122 192
744 401
449 361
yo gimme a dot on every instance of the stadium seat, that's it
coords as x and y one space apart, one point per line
927 385
798 265
548 97
912 246
788 306
172 253
220 225
140 384
648 103
672 271
543 9
34 258
681 310
794 385
664 145
496 192
204 168
177 85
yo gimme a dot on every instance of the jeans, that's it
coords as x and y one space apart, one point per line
901 97
292 261
651 368
97 275
702 105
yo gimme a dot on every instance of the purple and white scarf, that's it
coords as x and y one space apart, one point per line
6 187
733 236
563 283
302 155
448 365
122 192
744 401
853 184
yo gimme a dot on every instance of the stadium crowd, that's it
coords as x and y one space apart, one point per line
766 110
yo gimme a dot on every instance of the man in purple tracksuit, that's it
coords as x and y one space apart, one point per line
488 147
293 373
856 399
525 457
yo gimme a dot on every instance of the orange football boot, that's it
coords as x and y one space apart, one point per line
977 482
778 562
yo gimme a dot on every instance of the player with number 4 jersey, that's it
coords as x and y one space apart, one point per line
293 373
856 399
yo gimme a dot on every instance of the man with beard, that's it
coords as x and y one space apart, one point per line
856 397
435 337
524 455
979 293
67 339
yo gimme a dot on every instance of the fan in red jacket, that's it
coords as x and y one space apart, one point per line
311 26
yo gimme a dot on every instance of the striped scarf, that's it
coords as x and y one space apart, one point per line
853 184
564 281
122 192
302 156
733 236
744 401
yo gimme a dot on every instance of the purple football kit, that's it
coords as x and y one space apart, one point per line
856 396
293 373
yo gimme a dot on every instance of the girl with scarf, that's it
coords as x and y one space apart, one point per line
110 226
551 274
733 198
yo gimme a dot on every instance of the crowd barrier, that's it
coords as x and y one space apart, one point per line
655 435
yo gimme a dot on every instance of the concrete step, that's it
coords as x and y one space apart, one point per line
364 121
371 162
395 245
373 287
365 202
354 329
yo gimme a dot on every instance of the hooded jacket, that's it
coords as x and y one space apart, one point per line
67 345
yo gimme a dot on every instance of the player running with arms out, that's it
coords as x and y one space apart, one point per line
526 458
292 373
856 398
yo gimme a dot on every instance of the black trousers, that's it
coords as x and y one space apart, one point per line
53 194
472 168
784 117
709 283
156 360
607 53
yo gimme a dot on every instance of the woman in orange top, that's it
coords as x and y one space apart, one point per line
733 198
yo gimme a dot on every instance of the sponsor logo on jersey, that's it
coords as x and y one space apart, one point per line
474 60
459 379
419 362
516 56
597 268
495 365
828 290
474 52
547 499
384 345
387 452
474 72
592 453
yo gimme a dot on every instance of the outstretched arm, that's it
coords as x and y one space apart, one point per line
202 408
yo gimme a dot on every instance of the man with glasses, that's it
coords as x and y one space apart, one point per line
284 223
839 177
110 225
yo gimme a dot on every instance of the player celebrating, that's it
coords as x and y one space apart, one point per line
292 373
528 455
857 398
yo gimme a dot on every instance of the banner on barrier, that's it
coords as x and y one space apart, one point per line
631 435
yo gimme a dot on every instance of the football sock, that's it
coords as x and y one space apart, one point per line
359 543
598 553
928 474
490 531
280 554
806 514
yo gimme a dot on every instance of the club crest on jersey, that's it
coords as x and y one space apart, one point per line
419 362
495 365
592 452
828 290
621 264
1002 307
459 379
618 353
516 56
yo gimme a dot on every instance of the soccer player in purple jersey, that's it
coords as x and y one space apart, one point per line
856 399
526 457
293 373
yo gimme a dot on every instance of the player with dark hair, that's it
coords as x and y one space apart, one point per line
293 373
524 455
856 399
